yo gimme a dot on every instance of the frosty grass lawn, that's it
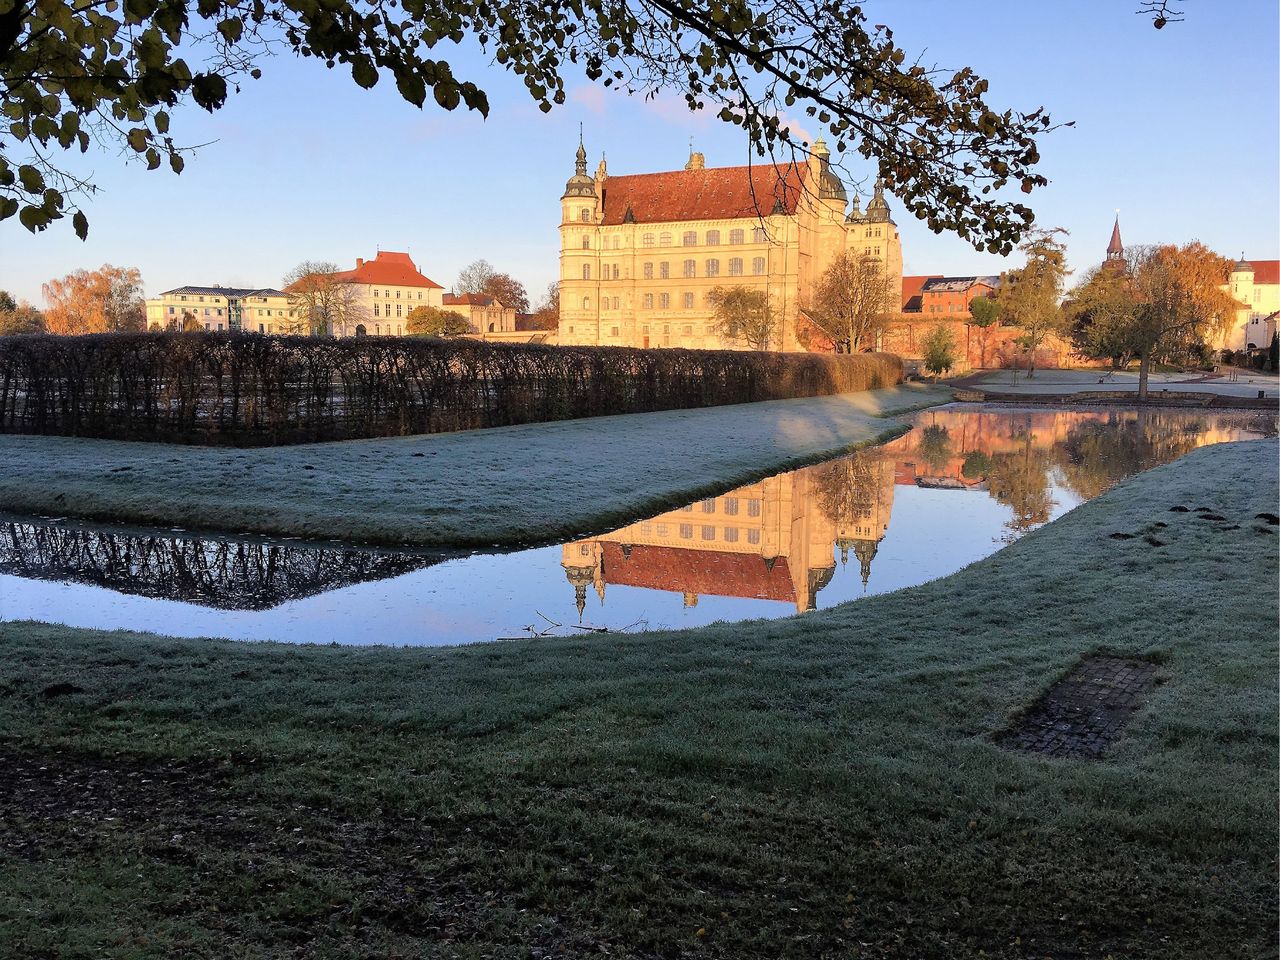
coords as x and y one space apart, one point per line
820 786
508 485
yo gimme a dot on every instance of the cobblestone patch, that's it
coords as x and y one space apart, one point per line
1086 711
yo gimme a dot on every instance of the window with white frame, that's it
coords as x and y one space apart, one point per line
691 268
735 266
689 238
757 265
713 268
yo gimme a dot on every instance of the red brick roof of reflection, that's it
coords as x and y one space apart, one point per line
1265 271
706 572
712 193
389 267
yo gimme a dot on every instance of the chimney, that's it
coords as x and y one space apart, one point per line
359 262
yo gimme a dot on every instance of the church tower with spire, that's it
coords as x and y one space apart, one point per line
1115 249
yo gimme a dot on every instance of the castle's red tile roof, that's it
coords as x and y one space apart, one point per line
467 300
707 572
389 267
1265 271
712 193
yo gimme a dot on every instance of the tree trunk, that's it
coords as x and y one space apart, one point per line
1144 367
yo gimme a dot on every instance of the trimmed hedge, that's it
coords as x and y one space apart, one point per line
250 390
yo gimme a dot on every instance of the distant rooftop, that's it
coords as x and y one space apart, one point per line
236 293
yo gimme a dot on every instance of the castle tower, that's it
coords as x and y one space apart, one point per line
875 234
579 252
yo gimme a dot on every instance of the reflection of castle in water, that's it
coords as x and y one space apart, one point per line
226 574
772 540
777 539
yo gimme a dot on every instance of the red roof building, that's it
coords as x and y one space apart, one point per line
388 268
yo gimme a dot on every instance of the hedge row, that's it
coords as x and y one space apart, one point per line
250 390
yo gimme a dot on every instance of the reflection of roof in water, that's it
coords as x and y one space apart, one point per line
705 572
224 574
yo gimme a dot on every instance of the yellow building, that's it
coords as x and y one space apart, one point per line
221 308
381 292
1256 285
772 540
640 253
487 315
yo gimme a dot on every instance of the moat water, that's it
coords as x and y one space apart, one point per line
962 484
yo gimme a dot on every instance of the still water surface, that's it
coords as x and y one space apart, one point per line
962 484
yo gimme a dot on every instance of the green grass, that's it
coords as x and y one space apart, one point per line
508 485
821 786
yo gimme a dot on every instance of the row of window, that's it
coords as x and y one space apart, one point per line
208 311
951 308
378 313
712 238
689 269
386 294
648 302
705 532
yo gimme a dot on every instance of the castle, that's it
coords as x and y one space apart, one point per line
639 254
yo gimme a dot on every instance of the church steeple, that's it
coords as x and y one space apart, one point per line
1115 249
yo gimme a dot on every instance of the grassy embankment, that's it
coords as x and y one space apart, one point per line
822 786
509 485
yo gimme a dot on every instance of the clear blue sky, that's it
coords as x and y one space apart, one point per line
1177 128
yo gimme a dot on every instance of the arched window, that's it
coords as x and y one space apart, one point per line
735 236
584 215
689 238
491 328
713 238
586 271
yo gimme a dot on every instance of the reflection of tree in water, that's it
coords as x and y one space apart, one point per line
1096 455
1020 480
935 447
227 574
848 489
